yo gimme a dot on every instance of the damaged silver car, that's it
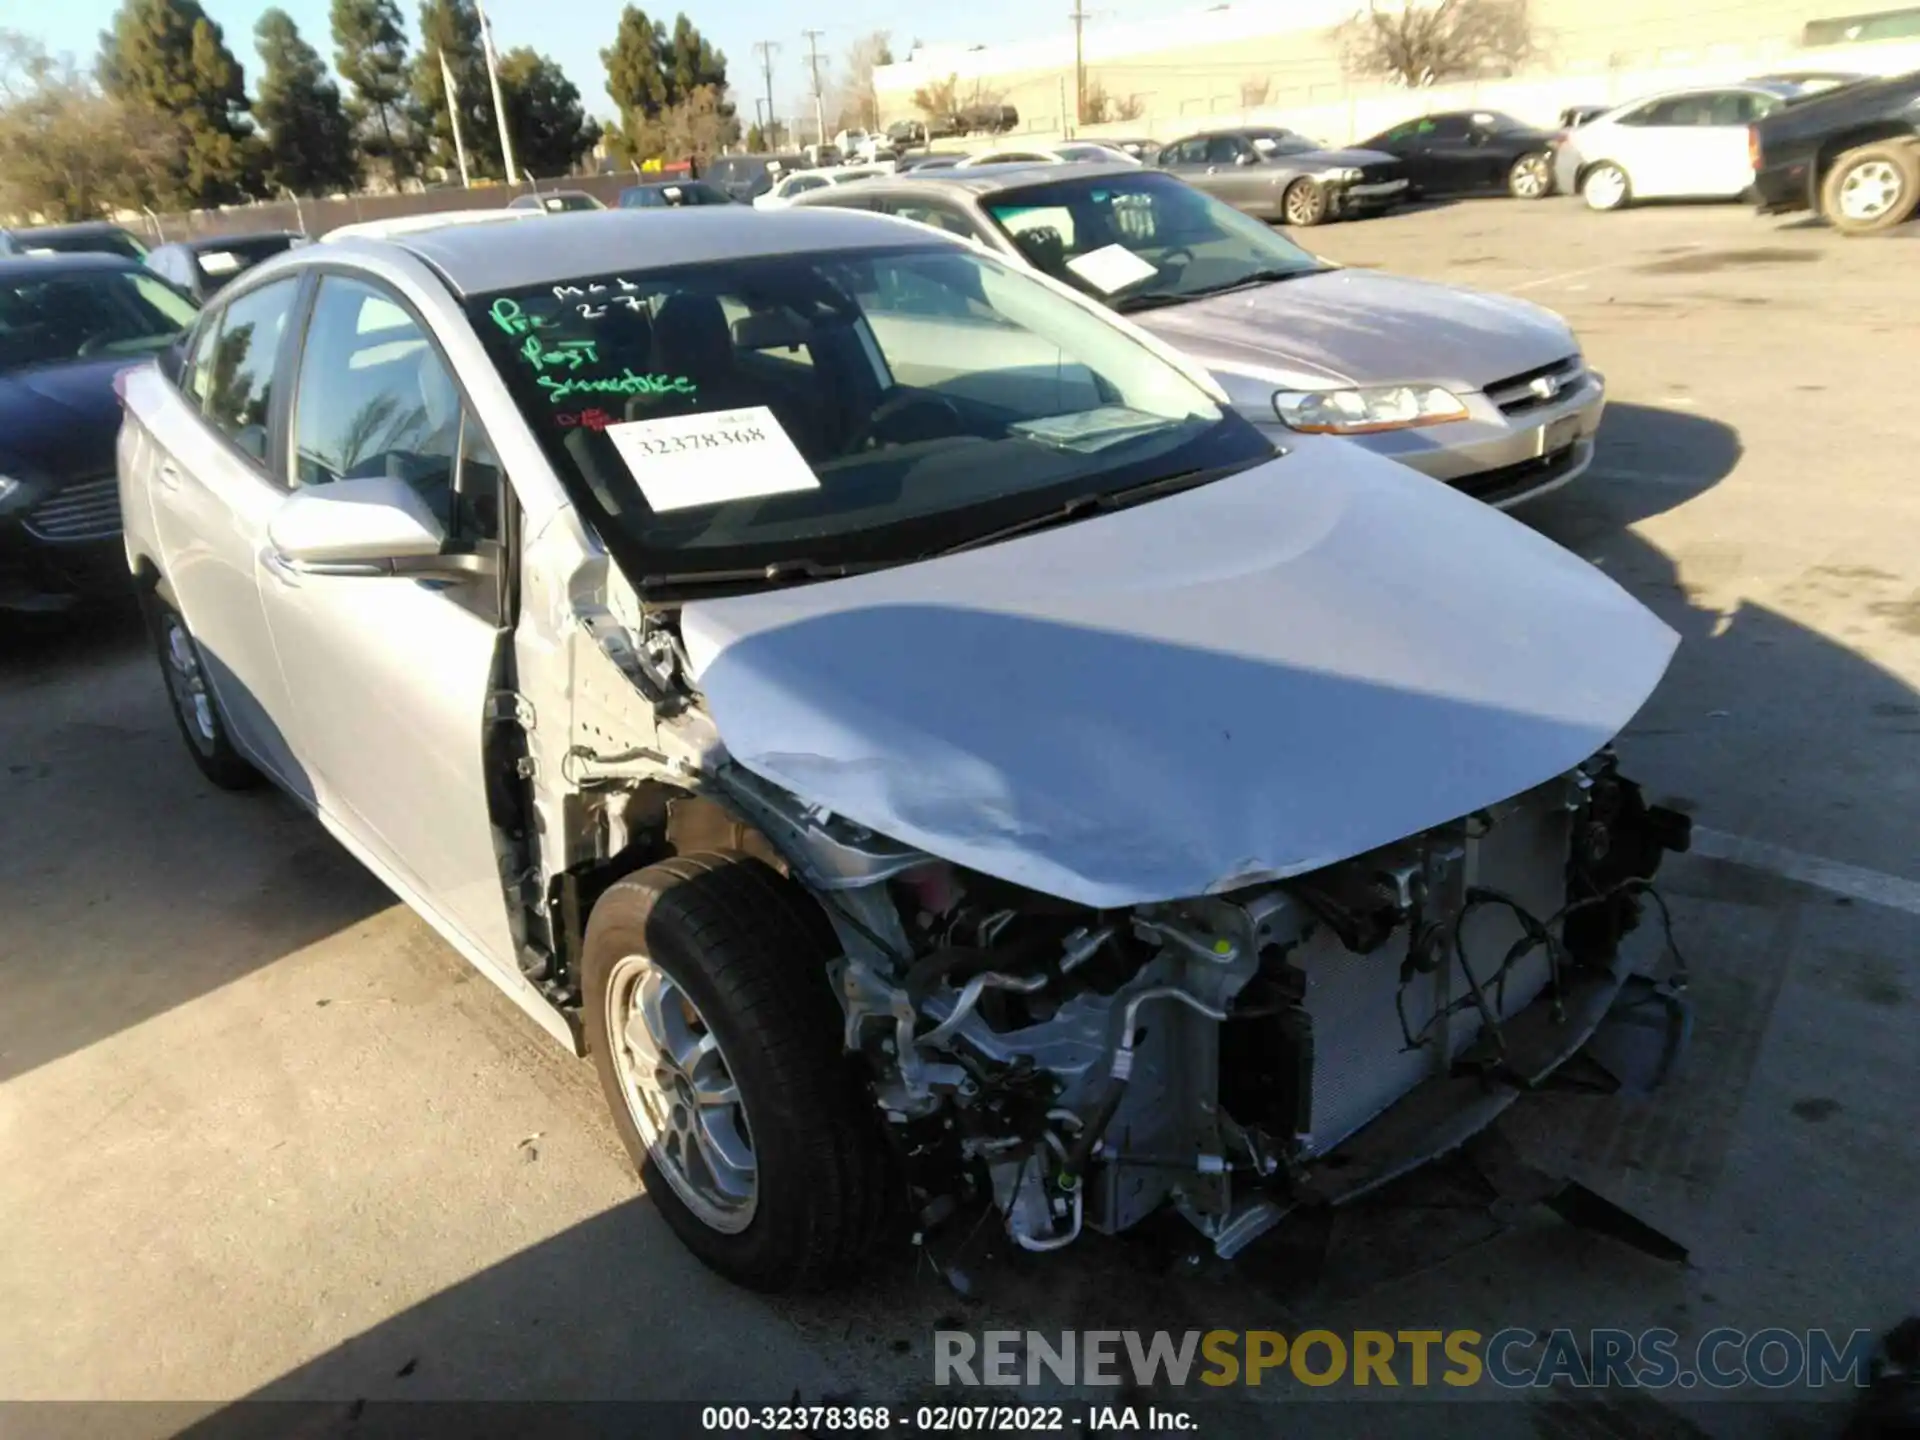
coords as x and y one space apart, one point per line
897 718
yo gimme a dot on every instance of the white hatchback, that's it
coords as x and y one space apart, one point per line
1684 144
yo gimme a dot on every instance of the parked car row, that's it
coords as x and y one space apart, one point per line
930 741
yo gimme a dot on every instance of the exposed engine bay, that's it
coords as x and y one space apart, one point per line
1235 1055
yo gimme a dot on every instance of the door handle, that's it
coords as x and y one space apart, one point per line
168 474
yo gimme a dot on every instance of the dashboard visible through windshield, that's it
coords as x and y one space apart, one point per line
830 409
1132 240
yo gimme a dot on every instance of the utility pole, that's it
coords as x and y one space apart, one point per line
493 79
813 63
453 115
1079 18
766 50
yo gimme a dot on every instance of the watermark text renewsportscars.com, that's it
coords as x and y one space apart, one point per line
1508 1359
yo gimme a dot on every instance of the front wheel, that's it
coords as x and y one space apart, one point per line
1872 188
1606 187
717 1040
196 709
1531 177
1305 203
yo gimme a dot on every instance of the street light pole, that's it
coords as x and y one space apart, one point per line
453 116
493 79
819 104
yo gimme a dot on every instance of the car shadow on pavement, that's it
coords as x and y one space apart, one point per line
130 884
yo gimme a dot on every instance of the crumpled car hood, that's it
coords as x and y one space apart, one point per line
1249 680
1361 327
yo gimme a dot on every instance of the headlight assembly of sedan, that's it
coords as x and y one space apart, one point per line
1343 177
10 490
1362 411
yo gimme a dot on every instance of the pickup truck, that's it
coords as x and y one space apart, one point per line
1852 155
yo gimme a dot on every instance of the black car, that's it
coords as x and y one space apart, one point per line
200 267
1851 154
745 176
1465 152
68 327
671 194
90 237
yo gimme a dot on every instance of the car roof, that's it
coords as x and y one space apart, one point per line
12 266
477 260
199 244
433 220
81 227
980 180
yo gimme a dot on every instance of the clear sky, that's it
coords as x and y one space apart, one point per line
573 32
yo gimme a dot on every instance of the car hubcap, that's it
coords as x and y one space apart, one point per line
1530 179
188 684
1605 188
1869 191
1302 205
681 1094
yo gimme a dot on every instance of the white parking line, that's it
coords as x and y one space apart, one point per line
1566 275
1872 887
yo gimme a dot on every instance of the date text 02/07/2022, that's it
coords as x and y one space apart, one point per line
943 1419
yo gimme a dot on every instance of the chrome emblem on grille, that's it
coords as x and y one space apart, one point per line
1545 386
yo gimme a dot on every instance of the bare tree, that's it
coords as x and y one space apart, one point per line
1426 42
1128 107
1255 91
857 100
67 151
938 99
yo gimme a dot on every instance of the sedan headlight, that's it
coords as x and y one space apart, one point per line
9 487
1347 176
1374 407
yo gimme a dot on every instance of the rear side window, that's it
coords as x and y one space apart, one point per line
376 398
233 367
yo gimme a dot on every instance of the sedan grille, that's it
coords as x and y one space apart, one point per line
1380 170
84 510
1531 389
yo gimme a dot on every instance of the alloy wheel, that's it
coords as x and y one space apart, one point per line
1531 177
1605 188
1303 205
1869 191
187 684
681 1094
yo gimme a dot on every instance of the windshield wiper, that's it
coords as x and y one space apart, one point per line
1099 502
1255 277
1149 300
777 572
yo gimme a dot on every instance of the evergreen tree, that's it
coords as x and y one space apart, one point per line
370 52
549 126
169 64
309 140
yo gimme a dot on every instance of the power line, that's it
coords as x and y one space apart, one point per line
813 63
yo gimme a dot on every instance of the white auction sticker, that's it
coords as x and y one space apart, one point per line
687 460
1111 268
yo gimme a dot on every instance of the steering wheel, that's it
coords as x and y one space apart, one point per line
899 402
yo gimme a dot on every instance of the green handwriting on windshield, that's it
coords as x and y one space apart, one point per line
569 353
560 388
508 315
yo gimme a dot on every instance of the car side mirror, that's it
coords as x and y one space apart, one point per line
1245 158
367 527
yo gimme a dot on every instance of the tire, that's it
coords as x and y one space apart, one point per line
1605 187
1531 177
1305 203
1873 188
738 953
196 710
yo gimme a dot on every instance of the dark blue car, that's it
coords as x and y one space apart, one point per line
69 324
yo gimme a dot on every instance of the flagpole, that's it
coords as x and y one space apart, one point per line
493 79
453 115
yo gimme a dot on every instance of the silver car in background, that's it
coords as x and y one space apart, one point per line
1486 392
897 718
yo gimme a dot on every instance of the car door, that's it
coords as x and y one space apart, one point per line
389 676
1445 158
214 486
1663 145
1725 166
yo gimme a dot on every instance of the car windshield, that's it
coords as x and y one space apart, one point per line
1149 237
838 409
63 315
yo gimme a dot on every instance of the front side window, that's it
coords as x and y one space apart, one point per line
1134 241
375 398
834 408
65 314
239 362
1223 149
